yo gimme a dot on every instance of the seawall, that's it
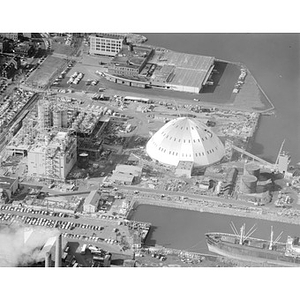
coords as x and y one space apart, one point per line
281 215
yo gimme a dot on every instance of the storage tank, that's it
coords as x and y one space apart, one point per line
248 184
264 186
252 169
83 160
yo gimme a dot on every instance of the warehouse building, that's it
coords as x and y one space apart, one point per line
182 72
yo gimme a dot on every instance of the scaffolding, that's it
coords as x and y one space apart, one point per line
51 162
44 114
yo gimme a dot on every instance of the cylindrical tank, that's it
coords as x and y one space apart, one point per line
248 184
58 251
263 186
252 169
83 160
47 260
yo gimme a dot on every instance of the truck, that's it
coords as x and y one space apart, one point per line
83 249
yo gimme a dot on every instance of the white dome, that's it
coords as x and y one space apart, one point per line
183 139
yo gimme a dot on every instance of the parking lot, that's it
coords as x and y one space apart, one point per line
106 231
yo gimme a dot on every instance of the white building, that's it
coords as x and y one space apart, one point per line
183 139
106 44
91 202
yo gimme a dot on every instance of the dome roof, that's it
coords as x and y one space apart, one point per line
183 139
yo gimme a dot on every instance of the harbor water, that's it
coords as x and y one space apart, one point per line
274 60
185 229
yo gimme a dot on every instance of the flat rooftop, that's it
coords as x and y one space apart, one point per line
190 69
6 182
108 36
133 58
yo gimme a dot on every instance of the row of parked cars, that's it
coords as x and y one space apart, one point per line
82 237
3 86
109 217
88 226
32 211
8 217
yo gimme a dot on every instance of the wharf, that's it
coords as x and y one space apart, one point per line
213 205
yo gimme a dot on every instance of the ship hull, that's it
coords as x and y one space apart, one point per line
252 259
250 254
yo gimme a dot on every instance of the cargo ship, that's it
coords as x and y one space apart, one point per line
242 246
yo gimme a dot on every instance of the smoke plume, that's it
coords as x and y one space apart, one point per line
16 251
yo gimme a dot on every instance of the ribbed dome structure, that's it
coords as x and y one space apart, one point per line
183 139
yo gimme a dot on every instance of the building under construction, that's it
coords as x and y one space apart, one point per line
54 157
59 131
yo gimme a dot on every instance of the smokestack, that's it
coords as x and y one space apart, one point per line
47 260
58 251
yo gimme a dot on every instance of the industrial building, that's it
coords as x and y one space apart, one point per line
52 114
58 204
8 186
91 202
183 139
106 44
54 157
126 174
184 168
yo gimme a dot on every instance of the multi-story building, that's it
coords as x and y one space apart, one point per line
106 44
12 36
10 67
130 61
25 49
91 202
54 158
4 45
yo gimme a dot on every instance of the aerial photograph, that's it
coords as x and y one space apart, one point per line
149 150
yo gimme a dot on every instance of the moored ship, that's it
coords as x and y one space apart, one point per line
242 246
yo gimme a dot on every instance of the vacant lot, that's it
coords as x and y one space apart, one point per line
44 73
61 48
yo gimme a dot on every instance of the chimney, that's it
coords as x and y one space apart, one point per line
47 260
58 251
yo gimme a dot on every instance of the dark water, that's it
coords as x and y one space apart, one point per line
183 229
274 60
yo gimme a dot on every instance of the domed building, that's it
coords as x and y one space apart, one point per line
184 139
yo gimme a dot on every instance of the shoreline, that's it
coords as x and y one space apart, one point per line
216 207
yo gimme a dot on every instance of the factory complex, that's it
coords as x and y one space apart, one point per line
83 151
